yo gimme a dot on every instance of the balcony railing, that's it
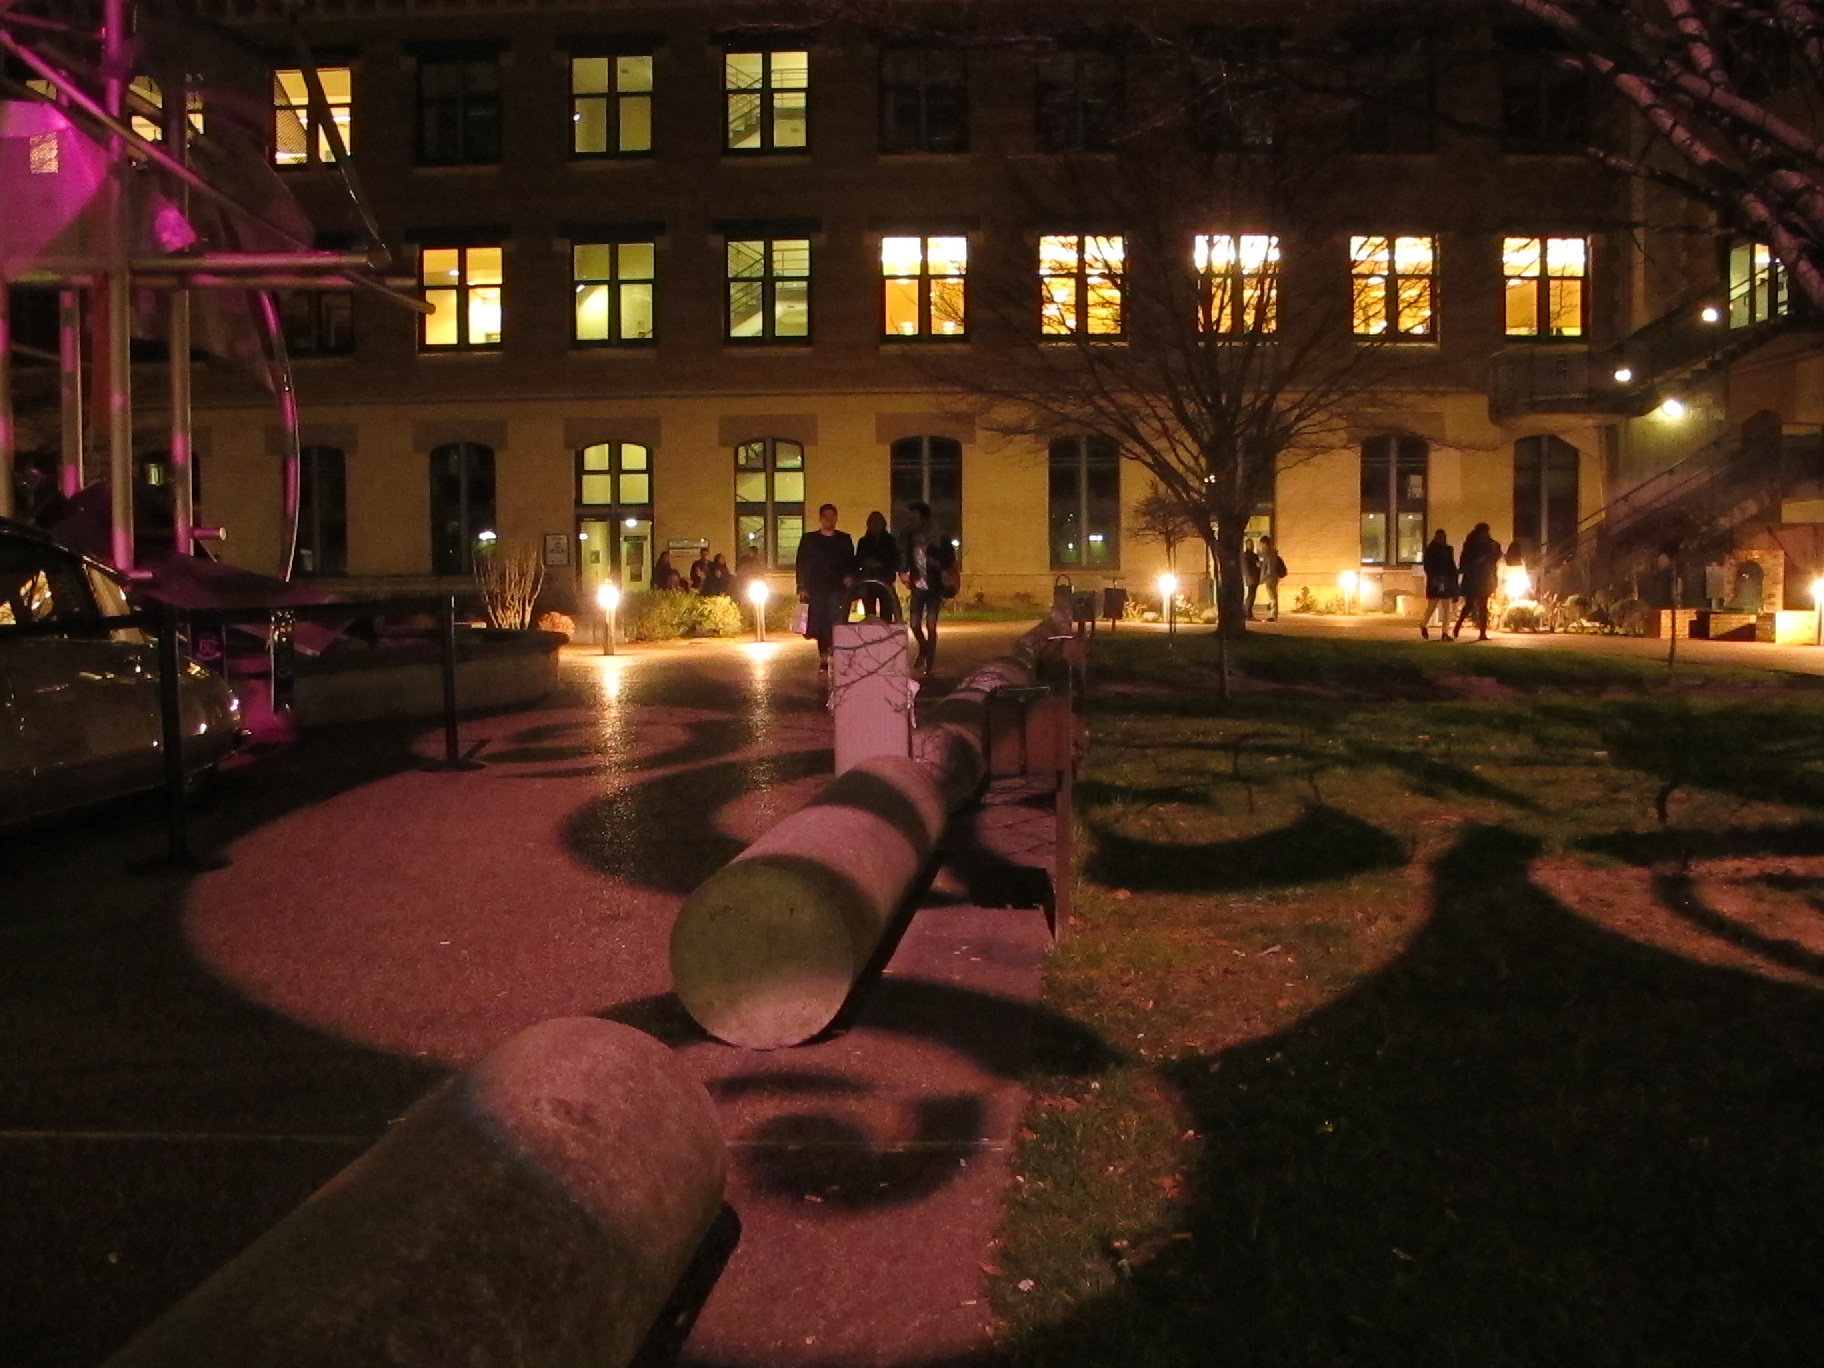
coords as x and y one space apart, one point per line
1545 379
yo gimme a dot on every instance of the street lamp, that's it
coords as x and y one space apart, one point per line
1168 595
757 592
609 597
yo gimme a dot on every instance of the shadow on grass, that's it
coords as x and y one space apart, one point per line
1325 843
1438 779
1528 1141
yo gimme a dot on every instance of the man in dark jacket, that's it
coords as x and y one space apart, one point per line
928 566
826 569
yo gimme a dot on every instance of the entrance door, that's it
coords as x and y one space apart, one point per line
610 549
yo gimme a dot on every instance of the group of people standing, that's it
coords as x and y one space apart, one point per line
835 571
708 575
1471 579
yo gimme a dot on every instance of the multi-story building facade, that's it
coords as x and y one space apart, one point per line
693 271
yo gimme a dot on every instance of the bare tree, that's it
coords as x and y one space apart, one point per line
1729 91
1159 516
1168 318
509 579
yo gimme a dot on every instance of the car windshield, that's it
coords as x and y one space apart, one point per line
41 584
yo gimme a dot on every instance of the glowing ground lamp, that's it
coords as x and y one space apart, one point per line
1516 584
609 597
757 593
1348 581
1817 599
1168 596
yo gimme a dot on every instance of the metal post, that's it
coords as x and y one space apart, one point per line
183 489
69 361
120 376
171 733
8 443
451 744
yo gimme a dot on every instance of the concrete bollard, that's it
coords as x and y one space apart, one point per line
766 951
536 1210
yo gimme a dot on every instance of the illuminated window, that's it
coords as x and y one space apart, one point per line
1239 277
611 106
768 100
769 500
615 475
1393 281
769 289
463 287
318 322
301 132
922 281
1080 279
146 108
1545 492
1544 294
613 282
458 111
1085 503
1757 285
1393 500
928 470
1080 99
462 506
322 511
924 101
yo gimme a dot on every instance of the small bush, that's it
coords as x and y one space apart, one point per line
561 623
1521 617
658 615
716 615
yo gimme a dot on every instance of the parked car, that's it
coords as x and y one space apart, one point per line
79 699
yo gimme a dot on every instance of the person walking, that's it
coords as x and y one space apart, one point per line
1250 574
1440 566
877 569
1480 560
1272 571
825 570
928 566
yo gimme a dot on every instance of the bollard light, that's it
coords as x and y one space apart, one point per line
1817 598
609 597
1348 581
1168 599
757 594
1516 583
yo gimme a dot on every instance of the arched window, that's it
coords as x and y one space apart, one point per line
929 470
462 505
322 511
1394 477
769 500
1545 491
1085 503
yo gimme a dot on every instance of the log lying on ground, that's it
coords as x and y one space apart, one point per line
535 1211
766 950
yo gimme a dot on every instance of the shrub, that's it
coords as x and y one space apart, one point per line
1521 617
561 623
658 615
716 615
1632 617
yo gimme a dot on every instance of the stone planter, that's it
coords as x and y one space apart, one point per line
358 682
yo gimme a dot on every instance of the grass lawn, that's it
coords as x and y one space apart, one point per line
1460 1007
